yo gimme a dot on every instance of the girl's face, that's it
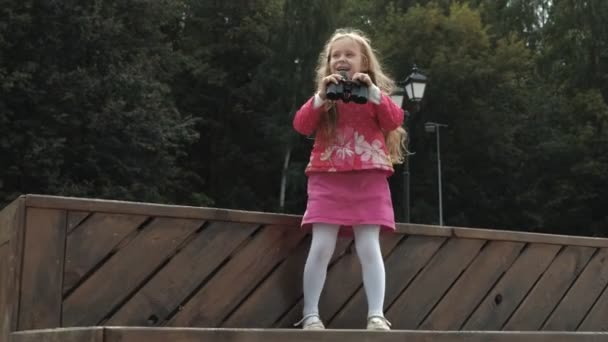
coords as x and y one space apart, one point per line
346 55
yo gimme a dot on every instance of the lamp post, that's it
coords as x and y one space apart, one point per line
433 127
414 86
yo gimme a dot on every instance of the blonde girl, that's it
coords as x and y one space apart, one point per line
355 148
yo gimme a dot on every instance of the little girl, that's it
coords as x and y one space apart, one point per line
355 148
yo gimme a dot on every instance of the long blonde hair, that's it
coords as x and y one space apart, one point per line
395 139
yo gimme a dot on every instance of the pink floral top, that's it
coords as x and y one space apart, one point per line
359 141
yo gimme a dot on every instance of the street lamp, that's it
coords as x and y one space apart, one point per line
433 127
414 86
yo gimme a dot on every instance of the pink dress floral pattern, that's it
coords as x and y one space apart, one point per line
359 142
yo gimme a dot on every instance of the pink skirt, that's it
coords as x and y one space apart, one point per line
349 199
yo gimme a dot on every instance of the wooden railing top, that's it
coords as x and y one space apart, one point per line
216 214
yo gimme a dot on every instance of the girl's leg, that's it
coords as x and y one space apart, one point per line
324 238
367 242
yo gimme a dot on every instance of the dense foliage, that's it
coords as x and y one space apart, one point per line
190 102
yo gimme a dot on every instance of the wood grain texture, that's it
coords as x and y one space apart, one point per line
275 296
281 335
469 290
8 217
4 291
167 290
43 258
113 282
93 241
136 208
213 214
511 289
125 334
136 264
75 218
582 295
549 290
596 318
60 335
233 282
9 315
425 291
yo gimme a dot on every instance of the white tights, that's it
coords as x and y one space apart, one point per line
367 242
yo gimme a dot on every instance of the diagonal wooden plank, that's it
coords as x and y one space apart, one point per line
233 282
93 241
162 295
551 287
580 298
460 301
75 218
402 265
275 296
596 318
94 299
503 299
409 310
43 259
343 247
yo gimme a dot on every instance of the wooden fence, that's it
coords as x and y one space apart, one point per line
67 262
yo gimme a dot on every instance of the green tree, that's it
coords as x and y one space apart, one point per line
477 84
222 83
566 159
86 107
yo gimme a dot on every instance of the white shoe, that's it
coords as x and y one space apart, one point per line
378 323
311 322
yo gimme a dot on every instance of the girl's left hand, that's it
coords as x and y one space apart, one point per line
363 78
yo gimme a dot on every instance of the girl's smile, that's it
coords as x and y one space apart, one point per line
346 56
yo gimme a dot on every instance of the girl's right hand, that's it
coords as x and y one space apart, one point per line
333 78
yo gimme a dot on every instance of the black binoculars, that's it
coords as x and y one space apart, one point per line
347 90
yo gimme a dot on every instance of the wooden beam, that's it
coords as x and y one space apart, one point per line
11 242
43 260
59 335
278 335
123 334
4 294
120 334
124 207
215 214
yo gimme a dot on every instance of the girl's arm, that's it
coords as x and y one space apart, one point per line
307 117
389 115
